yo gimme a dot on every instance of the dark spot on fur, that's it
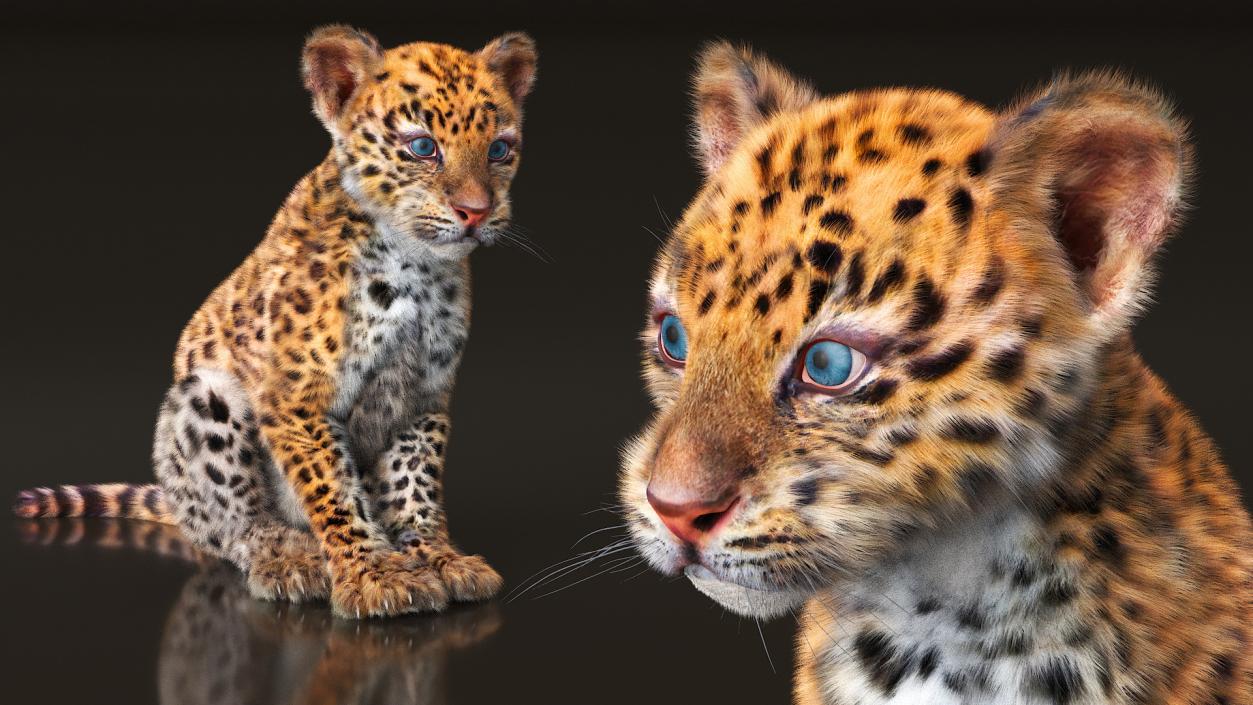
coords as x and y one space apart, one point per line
218 408
971 430
928 306
769 203
907 209
811 204
887 281
214 474
884 662
382 294
878 392
1057 679
912 133
1006 365
927 605
990 285
929 661
838 222
856 276
784 288
705 303
825 256
817 294
961 205
806 492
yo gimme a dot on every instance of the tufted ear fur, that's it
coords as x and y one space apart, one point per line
733 91
337 60
513 57
1103 164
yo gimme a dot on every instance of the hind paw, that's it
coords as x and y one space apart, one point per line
294 578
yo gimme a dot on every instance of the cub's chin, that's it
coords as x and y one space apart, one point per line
745 601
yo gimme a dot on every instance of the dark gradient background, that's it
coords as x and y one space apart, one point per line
146 146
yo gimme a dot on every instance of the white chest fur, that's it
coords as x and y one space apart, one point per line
408 318
976 614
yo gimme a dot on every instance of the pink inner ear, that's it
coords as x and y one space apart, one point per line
720 130
1080 227
332 76
1117 183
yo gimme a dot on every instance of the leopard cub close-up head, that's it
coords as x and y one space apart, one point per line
427 136
883 311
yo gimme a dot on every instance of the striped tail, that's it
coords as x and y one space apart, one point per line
124 501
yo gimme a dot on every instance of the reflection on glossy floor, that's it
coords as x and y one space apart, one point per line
220 646
105 611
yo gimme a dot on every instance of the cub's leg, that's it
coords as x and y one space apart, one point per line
212 464
406 485
369 576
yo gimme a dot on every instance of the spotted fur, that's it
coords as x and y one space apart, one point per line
305 433
1009 507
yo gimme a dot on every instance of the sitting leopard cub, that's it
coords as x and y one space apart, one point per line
304 436
890 344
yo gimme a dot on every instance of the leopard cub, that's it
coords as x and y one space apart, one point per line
304 436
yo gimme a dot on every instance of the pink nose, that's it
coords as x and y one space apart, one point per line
470 214
691 520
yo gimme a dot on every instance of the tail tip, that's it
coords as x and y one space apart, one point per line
26 505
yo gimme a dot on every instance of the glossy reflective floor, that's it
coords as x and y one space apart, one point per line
112 611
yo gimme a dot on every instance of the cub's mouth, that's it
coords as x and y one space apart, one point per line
743 600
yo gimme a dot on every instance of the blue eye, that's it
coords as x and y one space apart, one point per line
829 365
497 150
673 340
424 147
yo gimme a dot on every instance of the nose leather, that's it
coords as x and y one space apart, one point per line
691 521
471 203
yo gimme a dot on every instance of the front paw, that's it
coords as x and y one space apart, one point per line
468 578
381 583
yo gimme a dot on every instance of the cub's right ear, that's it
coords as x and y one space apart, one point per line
733 91
337 60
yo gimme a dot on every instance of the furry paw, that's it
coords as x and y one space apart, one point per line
468 578
291 576
379 583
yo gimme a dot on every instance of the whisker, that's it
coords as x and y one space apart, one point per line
559 563
762 634
616 563
596 531
567 566
655 235
664 218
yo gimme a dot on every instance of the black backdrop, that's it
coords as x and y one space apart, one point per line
146 146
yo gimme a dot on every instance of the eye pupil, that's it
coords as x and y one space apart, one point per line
821 360
672 334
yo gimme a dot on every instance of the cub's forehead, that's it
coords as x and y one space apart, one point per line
882 174
447 85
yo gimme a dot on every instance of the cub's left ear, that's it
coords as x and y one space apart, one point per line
1103 164
513 57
